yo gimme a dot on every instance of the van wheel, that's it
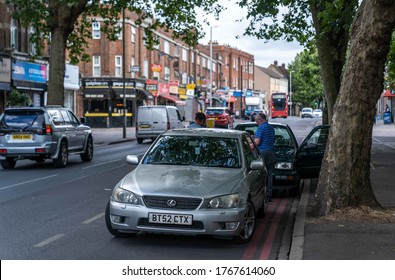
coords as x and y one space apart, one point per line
8 163
139 140
62 159
88 153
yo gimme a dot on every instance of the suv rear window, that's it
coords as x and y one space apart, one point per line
215 111
23 119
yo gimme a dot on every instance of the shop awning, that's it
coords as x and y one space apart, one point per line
173 98
388 93
148 95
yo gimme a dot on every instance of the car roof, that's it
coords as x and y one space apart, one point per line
208 132
249 124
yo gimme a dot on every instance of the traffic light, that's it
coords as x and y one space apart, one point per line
197 93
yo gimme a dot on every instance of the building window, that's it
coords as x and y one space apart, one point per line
184 78
192 57
176 51
146 68
95 30
198 60
96 71
133 34
33 47
132 73
166 47
167 73
118 66
184 55
14 34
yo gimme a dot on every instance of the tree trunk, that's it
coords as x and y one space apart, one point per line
332 44
345 174
61 23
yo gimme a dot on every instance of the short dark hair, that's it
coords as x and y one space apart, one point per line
199 116
262 116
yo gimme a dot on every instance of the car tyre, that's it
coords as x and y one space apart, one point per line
248 227
63 156
262 211
88 153
115 232
8 163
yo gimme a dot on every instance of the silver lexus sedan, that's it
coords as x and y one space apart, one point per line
192 181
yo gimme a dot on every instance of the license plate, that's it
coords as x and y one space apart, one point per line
22 137
163 218
145 126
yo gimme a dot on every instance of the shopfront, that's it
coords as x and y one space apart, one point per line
5 81
106 100
31 79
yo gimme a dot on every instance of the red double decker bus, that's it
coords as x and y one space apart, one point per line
279 105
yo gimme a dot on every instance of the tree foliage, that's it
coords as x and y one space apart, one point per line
66 24
307 86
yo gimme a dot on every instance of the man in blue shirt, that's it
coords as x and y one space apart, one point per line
200 121
264 139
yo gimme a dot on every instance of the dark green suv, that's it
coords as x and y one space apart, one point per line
40 133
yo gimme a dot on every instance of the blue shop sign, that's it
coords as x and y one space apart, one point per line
32 72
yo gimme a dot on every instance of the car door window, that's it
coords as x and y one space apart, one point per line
73 118
250 154
56 117
66 117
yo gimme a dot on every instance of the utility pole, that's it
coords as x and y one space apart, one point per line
124 72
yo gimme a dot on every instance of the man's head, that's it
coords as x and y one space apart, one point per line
260 118
200 118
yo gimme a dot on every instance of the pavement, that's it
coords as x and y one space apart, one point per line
328 240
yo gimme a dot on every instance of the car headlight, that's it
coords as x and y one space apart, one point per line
284 165
225 201
124 196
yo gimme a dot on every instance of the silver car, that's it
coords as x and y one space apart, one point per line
192 181
40 133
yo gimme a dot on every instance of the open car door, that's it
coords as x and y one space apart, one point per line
311 151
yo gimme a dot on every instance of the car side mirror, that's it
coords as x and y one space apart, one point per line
83 120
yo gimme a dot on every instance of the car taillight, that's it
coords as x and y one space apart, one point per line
3 151
48 129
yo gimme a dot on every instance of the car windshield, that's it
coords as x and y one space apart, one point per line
22 119
195 150
215 111
282 137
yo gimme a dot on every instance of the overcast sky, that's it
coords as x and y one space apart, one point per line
265 54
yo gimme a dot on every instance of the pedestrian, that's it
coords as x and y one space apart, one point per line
264 139
387 108
200 121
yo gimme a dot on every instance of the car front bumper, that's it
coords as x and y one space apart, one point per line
216 222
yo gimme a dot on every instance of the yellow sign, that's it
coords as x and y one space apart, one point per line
190 86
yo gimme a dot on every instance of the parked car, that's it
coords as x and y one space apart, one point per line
221 115
255 113
307 113
154 120
293 162
317 113
40 133
192 181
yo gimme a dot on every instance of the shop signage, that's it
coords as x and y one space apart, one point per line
31 72
156 67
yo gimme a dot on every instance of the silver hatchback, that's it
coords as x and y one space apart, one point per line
192 181
40 133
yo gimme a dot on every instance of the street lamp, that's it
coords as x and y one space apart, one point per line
211 66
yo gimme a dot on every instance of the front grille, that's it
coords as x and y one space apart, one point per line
196 225
161 202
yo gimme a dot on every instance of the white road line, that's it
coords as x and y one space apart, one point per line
388 145
93 218
30 181
91 166
49 240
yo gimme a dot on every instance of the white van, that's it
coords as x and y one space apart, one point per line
153 120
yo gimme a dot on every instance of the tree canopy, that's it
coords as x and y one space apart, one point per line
66 24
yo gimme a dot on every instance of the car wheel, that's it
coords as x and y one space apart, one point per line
8 163
62 159
248 224
139 140
115 232
262 211
88 153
